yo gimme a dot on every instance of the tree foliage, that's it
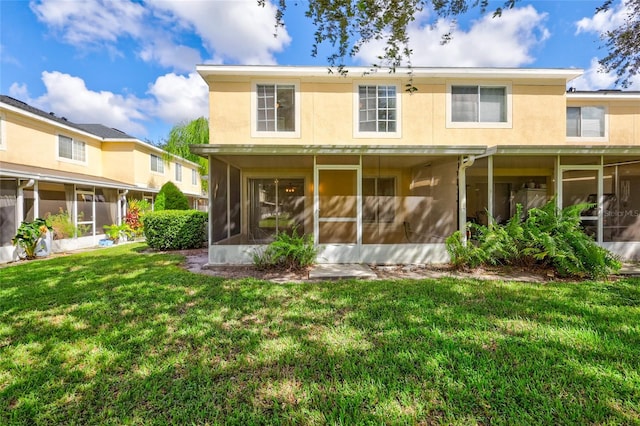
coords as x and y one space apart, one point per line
347 25
623 44
182 135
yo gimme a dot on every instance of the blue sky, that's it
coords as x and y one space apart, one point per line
131 64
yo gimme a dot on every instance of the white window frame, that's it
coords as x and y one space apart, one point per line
604 138
508 124
255 133
74 150
158 161
356 111
194 177
178 173
3 137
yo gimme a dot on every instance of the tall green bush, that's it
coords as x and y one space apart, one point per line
171 198
547 237
175 229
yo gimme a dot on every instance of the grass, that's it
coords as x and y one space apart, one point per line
118 336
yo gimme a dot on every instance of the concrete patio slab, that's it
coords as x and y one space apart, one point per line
341 271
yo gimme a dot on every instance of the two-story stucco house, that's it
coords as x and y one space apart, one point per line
378 174
50 165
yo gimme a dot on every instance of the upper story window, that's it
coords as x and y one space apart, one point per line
377 114
586 122
479 106
71 149
276 110
194 177
178 172
157 165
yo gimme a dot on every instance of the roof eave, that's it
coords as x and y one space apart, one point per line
566 74
243 149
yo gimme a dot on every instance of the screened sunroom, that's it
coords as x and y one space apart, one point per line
365 204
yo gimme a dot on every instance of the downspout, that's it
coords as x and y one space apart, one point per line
122 206
20 199
465 163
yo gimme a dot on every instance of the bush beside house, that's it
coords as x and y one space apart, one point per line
175 229
548 237
171 198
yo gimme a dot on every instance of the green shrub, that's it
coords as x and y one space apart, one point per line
115 232
289 252
62 225
171 198
547 237
175 229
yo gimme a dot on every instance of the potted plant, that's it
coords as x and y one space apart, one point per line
31 239
116 232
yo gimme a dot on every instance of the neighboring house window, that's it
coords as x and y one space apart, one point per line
194 177
378 199
157 165
178 172
276 110
378 111
586 122
71 149
479 106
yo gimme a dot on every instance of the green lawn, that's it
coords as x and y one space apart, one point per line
116 336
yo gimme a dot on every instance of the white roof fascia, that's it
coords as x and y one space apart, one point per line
359 72
565 150
599 96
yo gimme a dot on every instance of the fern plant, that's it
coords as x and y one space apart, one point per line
287 251
547 237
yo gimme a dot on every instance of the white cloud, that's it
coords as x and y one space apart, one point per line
86 106
90 22
179 98
232 30
595 79
506 41
236 31
172 98
167 54
18 91
605 21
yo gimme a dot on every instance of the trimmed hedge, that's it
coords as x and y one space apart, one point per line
175 229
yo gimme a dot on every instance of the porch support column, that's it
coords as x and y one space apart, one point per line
490 194
20 200
121 202
462 195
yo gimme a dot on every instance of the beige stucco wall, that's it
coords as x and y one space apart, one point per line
117 161
144 176
327 117
35 143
